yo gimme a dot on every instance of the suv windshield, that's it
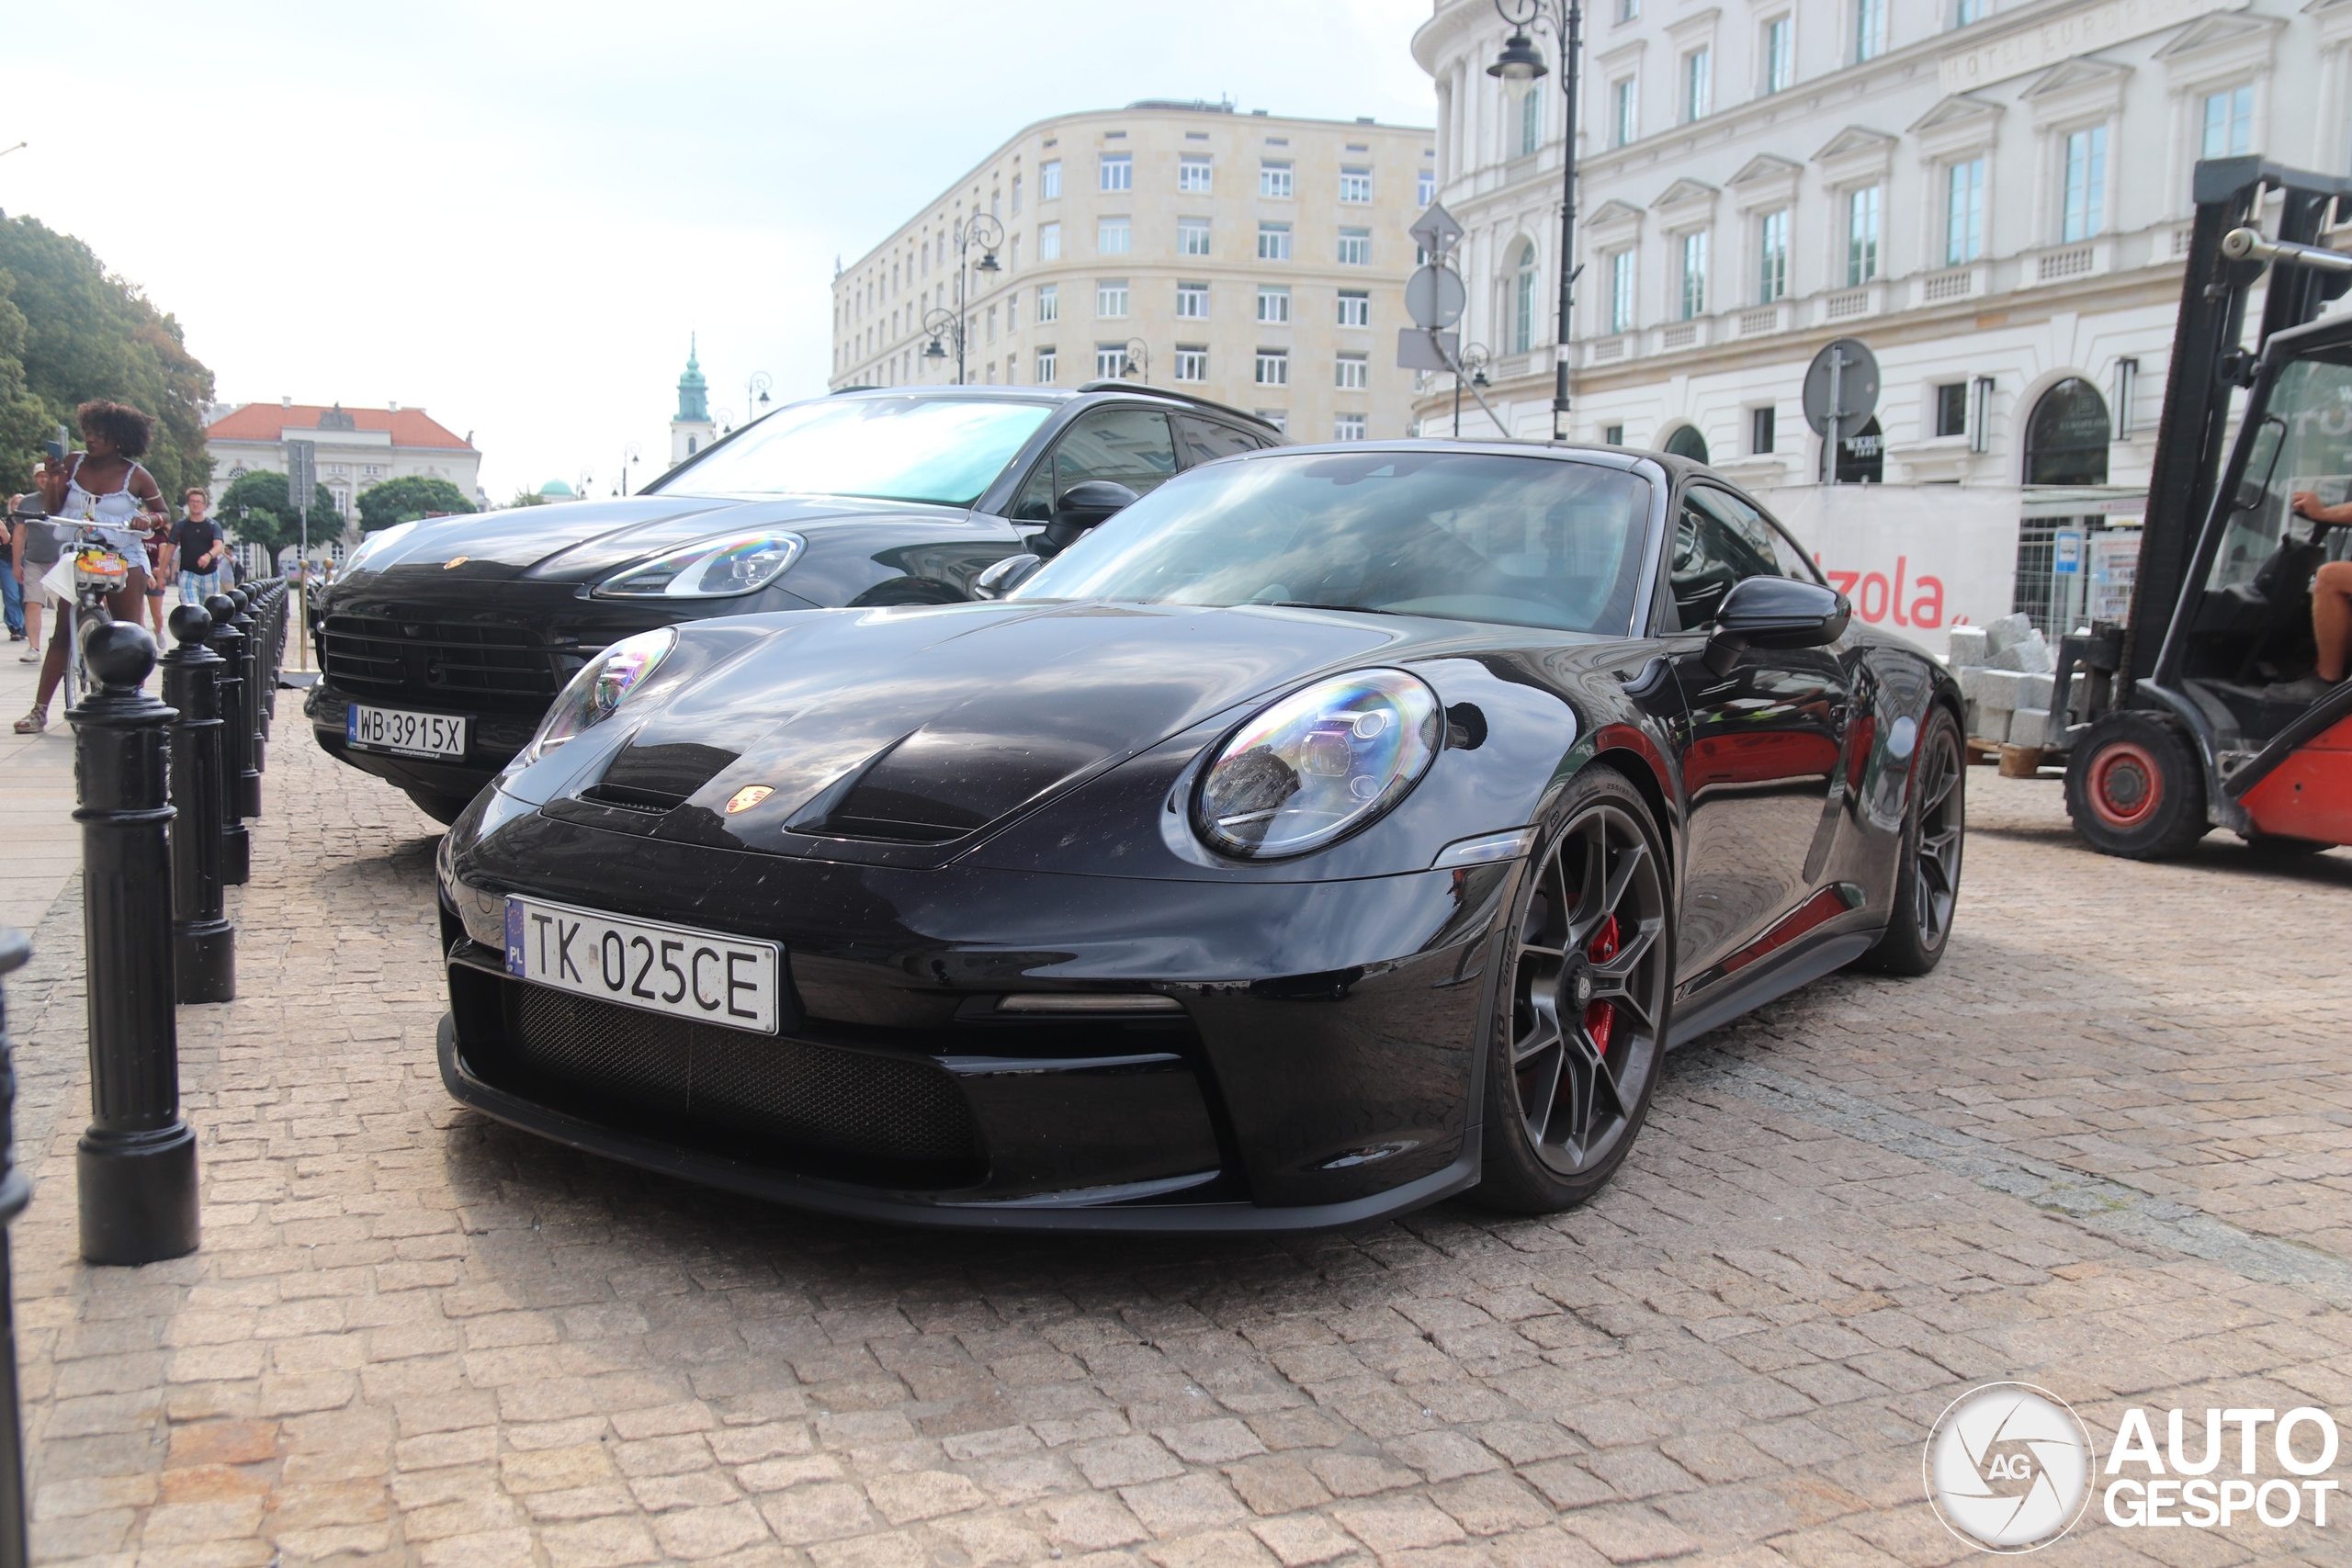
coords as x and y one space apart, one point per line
1473 536
944 450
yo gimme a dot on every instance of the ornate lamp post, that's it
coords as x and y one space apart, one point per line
628 455
755 394
1136 366
985 232
1472 362
1521 60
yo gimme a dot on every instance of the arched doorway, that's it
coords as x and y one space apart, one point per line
1861 457
1686 442
2066 438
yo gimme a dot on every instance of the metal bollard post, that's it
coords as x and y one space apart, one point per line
248 784
15 1193
266 613
236 843
135 1169
204 944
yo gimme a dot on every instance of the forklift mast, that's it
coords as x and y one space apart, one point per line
2210 361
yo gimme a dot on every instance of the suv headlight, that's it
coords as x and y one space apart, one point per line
1318 764
715 569
602 685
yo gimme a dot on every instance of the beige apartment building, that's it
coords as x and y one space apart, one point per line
1254 260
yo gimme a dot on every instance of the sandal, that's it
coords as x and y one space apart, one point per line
32 723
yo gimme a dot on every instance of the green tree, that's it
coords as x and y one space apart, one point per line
70 330
408 498
528 497
255 509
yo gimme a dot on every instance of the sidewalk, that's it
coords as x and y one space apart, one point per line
42 846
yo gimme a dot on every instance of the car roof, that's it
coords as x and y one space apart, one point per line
1626 458
1090 391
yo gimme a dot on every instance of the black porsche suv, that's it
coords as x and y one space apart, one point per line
444 641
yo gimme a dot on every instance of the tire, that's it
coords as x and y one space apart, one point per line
2135 788
1581 1009
1926 874
443 808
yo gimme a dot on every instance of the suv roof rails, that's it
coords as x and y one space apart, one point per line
1116 385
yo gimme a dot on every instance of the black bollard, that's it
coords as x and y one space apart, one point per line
236 843
204 944
247 783
15 1193
137 1165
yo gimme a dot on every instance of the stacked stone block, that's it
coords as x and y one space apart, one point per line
2005 671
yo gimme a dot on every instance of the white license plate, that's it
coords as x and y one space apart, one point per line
641 963
391 730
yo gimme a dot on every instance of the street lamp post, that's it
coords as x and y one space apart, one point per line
628 456
985 232
755 394
1136 362
1472 362
1521 60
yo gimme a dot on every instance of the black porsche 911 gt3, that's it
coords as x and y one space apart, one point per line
1331 831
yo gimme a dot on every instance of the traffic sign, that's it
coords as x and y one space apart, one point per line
1418 349
1436 230
302 472
1434 297
1848 371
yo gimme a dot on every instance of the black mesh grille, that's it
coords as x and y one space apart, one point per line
448 658
849 1102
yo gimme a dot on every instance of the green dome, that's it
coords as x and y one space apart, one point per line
555 488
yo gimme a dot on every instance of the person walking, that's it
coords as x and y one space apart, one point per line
198 547
12 592
101 484
33 550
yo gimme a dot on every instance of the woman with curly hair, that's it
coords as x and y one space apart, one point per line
104 484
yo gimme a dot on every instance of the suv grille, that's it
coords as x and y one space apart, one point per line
817 1096
455 658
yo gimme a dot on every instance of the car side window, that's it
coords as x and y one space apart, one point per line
1205 440
1766 534
1713 549
1128 446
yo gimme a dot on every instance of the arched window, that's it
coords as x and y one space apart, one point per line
1522 327
1531 120
2065 440
1686 442
1861 457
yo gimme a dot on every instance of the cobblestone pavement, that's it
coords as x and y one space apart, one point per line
2102 1149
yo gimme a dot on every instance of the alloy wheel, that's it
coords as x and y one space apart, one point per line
1936 884
1588 988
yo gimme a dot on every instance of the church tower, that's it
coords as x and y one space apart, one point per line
691 429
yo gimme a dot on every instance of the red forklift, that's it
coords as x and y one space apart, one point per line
2203 710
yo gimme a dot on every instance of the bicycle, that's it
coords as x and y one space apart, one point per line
98 560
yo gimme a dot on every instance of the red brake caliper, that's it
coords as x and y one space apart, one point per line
1600 1018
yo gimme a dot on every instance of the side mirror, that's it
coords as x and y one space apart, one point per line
1084 505
1001 578
1774 611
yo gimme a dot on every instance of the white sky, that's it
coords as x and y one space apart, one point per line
511 213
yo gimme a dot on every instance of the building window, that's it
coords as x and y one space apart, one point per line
2084 212
1274 242
1110 297
2229 123
1425 188
1112 236
1531 120
1347 427
1273 367
1628 10
1698 83
1016 260
1862 234
2066 437
1273 304
1772 257
1780 54
1192 173
1011 313
1967 11
1049 242
1118 171
1191 362
1278 418
1522 324
1621 291
1694 275
1046 362
1870 29
1952 409
1354 373
1759 431
1011 371
1355 307
1049 180
1612 435
1355 247
1623 112
1274 179
1049 302
1964 213
1110 361
1192 302
1355 184
1192 236
991 327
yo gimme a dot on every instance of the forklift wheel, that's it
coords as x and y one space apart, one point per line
2135 788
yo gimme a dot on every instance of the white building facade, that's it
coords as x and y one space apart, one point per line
357 448
1994 197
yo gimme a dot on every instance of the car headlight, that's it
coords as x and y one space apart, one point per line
715 569
375 543
602 685
1318 764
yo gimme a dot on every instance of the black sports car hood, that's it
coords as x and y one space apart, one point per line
587 540
921 726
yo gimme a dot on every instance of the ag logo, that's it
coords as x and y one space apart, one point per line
2008 1467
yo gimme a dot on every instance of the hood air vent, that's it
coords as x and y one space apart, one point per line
658 778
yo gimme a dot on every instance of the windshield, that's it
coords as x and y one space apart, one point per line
944 450
1473 536
2303 443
